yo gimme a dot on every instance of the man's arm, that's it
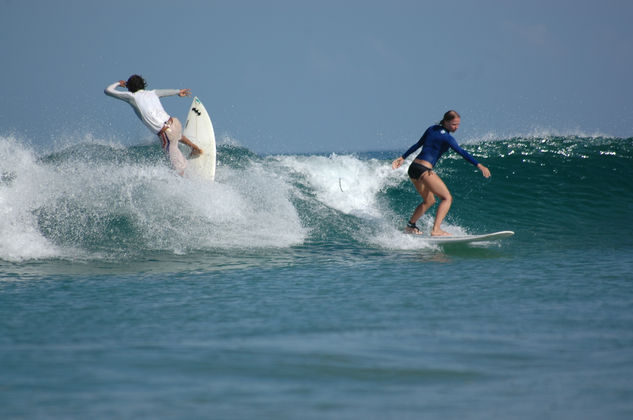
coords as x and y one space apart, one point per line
195 150
172 92
111 91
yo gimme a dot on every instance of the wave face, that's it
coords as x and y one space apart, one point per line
104 201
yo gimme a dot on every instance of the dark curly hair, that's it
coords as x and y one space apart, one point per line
135 82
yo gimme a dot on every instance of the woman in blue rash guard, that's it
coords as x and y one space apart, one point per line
435 141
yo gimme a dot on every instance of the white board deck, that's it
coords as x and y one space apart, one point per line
199 130
465 238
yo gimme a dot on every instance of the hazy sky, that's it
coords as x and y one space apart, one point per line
306 76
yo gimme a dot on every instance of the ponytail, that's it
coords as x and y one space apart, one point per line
449 116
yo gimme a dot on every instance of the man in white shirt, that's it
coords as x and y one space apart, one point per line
147 106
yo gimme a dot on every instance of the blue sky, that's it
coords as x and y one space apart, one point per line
326 76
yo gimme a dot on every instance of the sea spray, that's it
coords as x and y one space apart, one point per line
99 200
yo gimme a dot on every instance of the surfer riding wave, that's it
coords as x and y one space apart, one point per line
435 141
147 106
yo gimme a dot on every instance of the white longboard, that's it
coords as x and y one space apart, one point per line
453 239
199 130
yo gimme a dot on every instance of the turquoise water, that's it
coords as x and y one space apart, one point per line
286 290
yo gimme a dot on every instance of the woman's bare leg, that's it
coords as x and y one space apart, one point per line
427 200
436 186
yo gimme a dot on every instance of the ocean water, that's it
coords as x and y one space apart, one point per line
286 289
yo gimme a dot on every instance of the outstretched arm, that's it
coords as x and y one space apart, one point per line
485 171
453 144
173 92
111 91
397 163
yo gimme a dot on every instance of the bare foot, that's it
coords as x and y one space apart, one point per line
414 231
440 233
195 153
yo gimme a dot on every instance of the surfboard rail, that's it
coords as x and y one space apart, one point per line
199 129
465 238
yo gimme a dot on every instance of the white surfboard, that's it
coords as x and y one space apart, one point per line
199 130
465 238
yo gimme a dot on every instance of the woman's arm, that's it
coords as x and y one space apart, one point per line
397 163
453 144
485 171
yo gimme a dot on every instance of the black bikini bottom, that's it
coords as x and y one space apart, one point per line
416 170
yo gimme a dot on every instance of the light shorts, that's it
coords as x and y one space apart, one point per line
170 138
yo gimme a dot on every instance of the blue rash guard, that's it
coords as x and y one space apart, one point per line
435 142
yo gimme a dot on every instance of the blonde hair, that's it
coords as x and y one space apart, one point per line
449 116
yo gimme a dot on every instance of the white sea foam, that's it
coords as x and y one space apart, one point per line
534 133
352 186
74 205
99 199
22 185
344 182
